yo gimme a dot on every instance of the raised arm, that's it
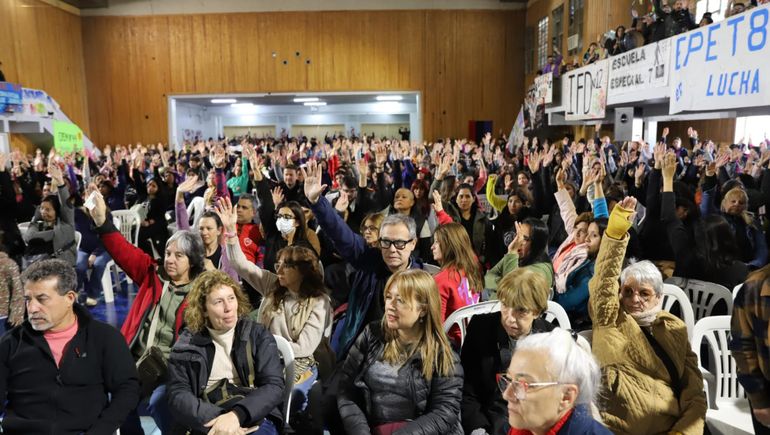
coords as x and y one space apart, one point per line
603 302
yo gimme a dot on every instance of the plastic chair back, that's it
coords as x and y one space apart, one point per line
462 317
288 373
129 224
703 295
555 311
672 294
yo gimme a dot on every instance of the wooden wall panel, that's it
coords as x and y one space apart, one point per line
721 131
41 48
467 64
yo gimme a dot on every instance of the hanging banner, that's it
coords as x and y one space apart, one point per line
722 66
544 88
10 97
587 92
640 74
37 102
516 138
67 137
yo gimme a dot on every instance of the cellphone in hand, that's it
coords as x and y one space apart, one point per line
90 202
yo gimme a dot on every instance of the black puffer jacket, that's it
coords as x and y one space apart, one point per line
189 366
437 402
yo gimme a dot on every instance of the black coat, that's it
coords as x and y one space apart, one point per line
487 352
437 402
189 366
73 398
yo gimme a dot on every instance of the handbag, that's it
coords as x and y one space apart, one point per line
151 369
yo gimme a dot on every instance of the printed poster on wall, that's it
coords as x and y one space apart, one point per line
37 102
635 74
544 88
587 92
722 66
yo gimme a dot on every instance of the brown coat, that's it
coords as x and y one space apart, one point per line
11 291
639 399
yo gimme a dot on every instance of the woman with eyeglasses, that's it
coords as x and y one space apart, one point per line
370 229
652 380
295 304
401 375
526 249
550 386
489 343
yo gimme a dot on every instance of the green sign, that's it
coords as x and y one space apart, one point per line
67 137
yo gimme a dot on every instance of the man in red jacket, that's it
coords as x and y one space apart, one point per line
248 231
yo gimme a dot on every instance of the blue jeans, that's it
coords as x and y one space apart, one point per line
159 410
92 285
266 428
300 392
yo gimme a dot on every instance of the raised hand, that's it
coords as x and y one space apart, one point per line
561 179
99 212
548 157
380 155
313 185
445 166
669 166
438 204
665 132
518 241
188 185
218 157
659 153
277 194
227 213
342 202
534 161
56 175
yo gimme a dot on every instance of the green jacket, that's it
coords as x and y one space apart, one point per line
509 263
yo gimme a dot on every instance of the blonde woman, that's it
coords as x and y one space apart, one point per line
295 304
401 374
225 371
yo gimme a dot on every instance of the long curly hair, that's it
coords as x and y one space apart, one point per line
195 314
306 263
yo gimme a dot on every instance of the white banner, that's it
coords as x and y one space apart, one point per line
634 74
587 92
37 102
722 66
544 88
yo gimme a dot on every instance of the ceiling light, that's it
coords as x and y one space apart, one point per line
242 105
224 100
305 99
316 103
389 98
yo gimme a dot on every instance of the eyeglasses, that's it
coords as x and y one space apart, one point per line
285 265
285 216
520 386
644 295
371 228
399 244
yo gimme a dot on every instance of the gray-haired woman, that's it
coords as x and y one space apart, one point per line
156 316
551 386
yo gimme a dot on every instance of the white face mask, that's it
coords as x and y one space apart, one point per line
285 226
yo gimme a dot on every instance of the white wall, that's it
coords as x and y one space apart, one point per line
196 118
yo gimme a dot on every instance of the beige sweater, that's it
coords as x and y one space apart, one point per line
320 319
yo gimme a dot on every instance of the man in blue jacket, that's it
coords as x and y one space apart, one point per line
61 371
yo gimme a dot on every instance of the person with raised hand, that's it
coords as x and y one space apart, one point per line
155 318
526 248
209 227
652 377
51 234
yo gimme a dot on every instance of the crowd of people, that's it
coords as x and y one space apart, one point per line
355 251
665 19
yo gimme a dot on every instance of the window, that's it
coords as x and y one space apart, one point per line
529 50
542 42
716 7
752 129
575 25
557 38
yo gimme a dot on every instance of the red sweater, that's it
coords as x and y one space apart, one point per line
251 239
455 293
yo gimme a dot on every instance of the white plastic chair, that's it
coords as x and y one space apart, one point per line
555 311
729 411
78 238
671 294
736 289
703 295
462 316
431 268
288 373
128 223
196 209
588 335
23 226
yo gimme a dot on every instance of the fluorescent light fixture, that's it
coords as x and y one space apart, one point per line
305 99
224 100
389 98
315 103
242 105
